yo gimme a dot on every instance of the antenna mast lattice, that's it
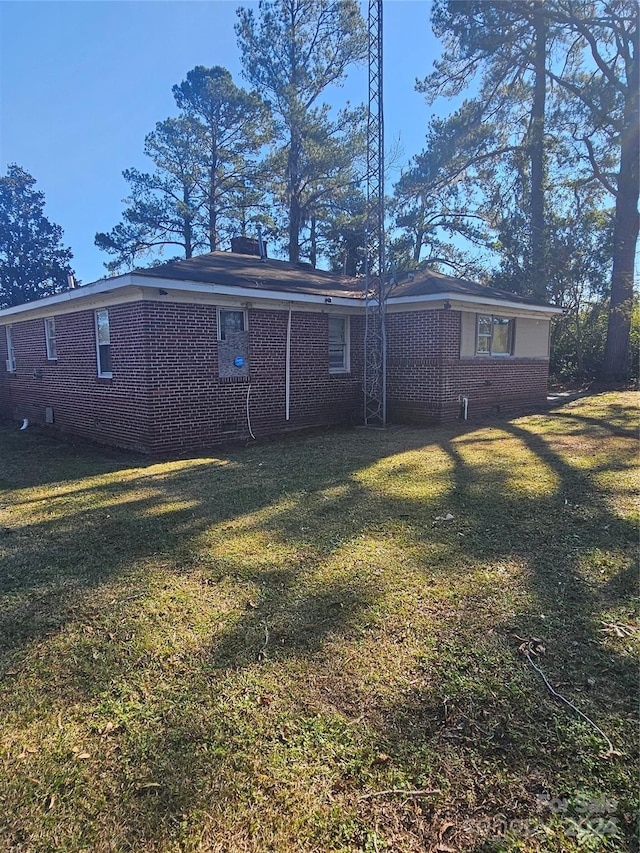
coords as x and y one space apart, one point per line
375 381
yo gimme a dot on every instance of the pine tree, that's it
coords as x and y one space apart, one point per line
234 126
163 206
33 262
204 181
506 46
602 79
291 54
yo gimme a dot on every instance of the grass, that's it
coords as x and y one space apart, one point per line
243 652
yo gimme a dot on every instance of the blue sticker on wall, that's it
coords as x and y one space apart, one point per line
238 361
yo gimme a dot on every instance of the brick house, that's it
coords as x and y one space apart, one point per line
220 347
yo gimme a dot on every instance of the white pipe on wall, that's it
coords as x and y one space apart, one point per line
465 406
248 413
287 379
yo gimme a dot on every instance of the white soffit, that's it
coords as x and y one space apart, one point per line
131 287
460 302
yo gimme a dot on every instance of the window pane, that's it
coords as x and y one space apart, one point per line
50 332
102 325
483 337
336 358
484 325
11 353
104 354
231 321
501 344
337 330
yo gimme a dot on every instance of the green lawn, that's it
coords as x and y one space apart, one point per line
275 647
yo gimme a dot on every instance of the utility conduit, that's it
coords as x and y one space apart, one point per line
287 380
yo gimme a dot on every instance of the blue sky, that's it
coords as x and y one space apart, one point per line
82 82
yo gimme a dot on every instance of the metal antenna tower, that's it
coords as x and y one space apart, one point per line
375 380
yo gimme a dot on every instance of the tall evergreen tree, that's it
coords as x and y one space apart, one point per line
602 78
203 185
234 126
438 195
291 53
505 46
582 55
33 261
164 207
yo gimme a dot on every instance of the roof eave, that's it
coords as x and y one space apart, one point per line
82 293
85 293
108 286
460 300
248 293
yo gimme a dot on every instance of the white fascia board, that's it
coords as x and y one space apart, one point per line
129 287
193 297
246 294
460 302
65 301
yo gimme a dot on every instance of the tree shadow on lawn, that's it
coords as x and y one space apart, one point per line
220 741
479 722
610 427
56 566
481 718
35 457
88 536
560 537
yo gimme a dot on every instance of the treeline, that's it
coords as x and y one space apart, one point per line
538 170
530 184
275 155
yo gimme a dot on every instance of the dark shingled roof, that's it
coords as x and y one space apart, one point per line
428 282
235 270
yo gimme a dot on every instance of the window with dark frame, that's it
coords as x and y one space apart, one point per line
50 337
103 343
229 321
494 335
11 353
338 344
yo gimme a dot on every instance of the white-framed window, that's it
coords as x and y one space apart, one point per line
231 320
494 335
339 345
103 343
50 338
11 353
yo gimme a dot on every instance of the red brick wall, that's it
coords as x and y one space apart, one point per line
192 407
165 394
426 376
110 410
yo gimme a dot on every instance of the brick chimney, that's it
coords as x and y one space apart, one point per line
247 246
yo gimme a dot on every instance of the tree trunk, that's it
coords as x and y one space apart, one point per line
313 254
295 212
625 236
187 230
579 350
536 148
213 213
417 246
294 229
